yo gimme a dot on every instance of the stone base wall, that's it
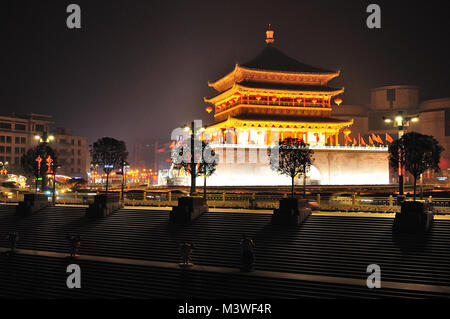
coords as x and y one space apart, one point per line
330 167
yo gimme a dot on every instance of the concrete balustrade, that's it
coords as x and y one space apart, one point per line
414 217
32 203
292 211
189 208
104 205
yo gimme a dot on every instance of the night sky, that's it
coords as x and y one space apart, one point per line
140 68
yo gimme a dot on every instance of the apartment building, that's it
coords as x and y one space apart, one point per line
18 134
73 152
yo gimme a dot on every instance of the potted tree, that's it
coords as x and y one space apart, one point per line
417 153
109 154
292 157
191 207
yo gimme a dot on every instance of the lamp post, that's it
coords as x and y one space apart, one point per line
3 169
45 139
193 168
192 165
124 163
54 182
401 121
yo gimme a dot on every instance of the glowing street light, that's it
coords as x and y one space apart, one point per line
401 120
45 138
3 169
193 131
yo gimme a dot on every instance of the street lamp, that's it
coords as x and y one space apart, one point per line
44 138
123 165
54 182
400 121
193 132
3 169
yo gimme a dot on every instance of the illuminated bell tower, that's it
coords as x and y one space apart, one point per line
274 92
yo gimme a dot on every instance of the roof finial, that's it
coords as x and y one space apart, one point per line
269 35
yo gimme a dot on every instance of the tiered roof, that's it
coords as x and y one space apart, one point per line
280 80
272 59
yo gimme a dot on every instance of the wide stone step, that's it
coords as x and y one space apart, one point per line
323 245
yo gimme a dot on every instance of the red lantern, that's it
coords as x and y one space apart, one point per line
209 109
338 101
49 161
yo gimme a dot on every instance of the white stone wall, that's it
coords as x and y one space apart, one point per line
330 167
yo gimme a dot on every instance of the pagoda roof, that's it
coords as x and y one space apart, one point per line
273 66
283 122
272 59
289 87
280 88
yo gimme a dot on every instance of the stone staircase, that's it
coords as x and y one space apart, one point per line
324 245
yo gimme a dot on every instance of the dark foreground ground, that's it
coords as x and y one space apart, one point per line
333 246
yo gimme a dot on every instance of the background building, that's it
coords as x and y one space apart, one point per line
73 152
389 101
17 135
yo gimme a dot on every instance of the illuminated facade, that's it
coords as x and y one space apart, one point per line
273 97
274 93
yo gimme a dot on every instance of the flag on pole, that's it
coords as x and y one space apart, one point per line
374 138
389 138
354 141
359 139
347 139
379 139
370 141
363 142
